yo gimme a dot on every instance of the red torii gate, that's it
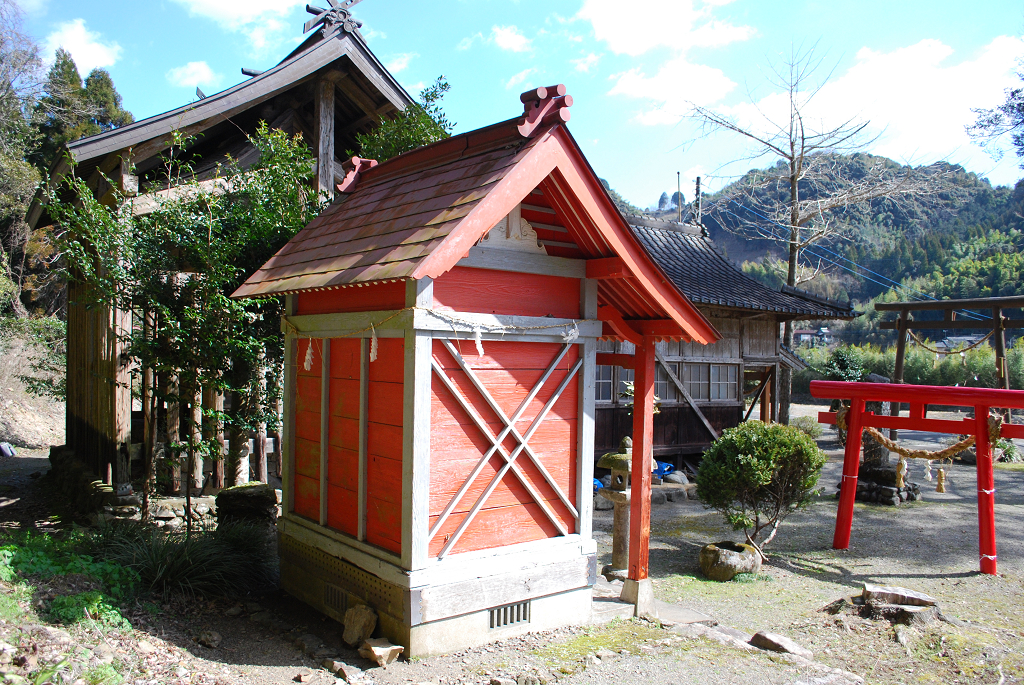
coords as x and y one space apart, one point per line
919 397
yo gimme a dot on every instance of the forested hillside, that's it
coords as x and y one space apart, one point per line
963 239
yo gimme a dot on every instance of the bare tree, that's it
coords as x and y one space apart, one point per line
795 201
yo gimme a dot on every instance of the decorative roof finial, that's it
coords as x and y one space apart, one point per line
543 105
337 15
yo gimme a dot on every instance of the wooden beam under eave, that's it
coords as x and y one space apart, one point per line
626 361
323 100
608 267
659 328
612 317
353 92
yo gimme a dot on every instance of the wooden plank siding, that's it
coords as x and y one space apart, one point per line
371 298
509 371
506 292
384 438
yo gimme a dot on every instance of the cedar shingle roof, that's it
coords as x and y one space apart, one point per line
400 213
706 277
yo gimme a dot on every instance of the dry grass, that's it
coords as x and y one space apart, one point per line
25 420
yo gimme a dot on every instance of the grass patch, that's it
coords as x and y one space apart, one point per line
616 636
233 559
1009 467
103 675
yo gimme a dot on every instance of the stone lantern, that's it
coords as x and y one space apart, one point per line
620 463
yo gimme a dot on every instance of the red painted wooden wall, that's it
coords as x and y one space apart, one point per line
384 446
509 370
384 439
370 298
504 292
343 436
307 429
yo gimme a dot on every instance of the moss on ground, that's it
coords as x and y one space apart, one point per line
616 636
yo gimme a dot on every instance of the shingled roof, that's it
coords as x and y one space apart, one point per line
706 277
417 215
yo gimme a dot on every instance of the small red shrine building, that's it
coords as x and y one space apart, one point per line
439 401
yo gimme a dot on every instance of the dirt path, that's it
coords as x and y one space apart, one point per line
930 546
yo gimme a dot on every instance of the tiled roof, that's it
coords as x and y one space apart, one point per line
706 277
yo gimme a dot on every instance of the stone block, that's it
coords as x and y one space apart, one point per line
723 560
779 643
360 621
896 595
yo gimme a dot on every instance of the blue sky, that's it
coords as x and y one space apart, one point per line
914 69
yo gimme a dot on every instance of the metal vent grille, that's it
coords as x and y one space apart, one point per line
510 614
335 598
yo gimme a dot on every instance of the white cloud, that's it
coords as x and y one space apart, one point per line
509 38
84 45
585 64
373 34
467 42
400 62
917 98
262 20
518 78
32 6
193 74
642 25
235 16
669 92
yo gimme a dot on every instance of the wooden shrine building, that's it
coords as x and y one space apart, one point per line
700 387
330 88
441 350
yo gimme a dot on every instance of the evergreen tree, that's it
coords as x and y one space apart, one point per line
663 202
421 123
678 200
70 109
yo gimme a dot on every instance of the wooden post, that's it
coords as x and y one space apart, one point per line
643 438
851 465
986 493
196 407
213 401
766 398
897 372
174 430
324 105
149 404
259 443
1000 344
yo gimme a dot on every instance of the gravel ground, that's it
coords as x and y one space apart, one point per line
929 546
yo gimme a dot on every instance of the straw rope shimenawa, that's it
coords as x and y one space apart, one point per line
922 343
995 424
569 332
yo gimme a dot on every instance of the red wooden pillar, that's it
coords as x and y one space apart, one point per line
851 465
986 494
643 437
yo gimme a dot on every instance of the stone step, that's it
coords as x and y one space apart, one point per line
607 609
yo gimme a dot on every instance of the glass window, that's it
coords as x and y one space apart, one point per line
723 381
625 376
603 384
664 388
696 378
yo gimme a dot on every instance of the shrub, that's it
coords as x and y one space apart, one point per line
757 474
46 556
807 425
94 606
